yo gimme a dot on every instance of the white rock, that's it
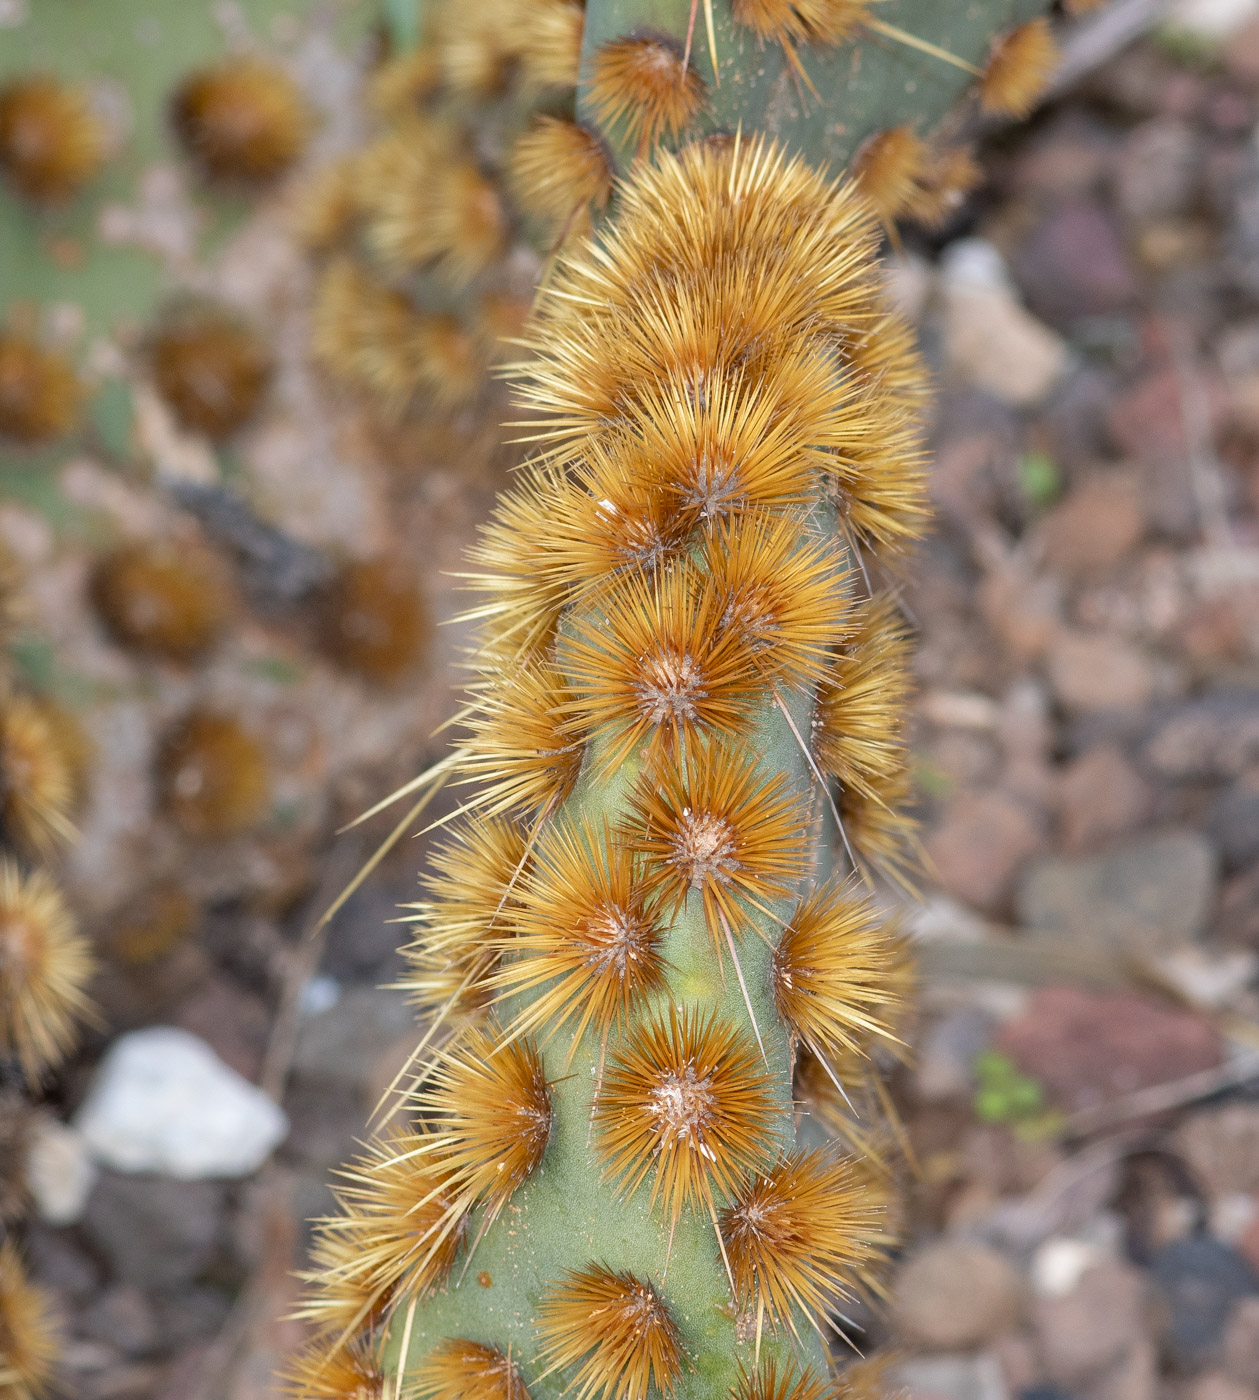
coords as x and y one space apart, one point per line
164 1102
1212 19
990 339
59 1172
1060 1263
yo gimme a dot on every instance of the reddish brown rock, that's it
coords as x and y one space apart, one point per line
1100 796
1087 1047
980 844
1095 526
956 1296
1089 1332
1095 671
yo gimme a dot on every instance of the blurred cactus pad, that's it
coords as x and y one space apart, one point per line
128 62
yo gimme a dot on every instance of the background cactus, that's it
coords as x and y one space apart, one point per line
684 730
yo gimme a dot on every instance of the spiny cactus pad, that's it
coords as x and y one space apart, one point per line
597 1176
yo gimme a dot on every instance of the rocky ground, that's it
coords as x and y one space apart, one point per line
1083 1213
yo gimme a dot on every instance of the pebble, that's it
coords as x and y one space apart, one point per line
1213 739
1239 1346
1097 524
1217 1385
956 1296
950 1378
990 339
1097 671
979 845
1159 169
1085 1048
152 1232
1148 897
1221 1146
1233 824
1073 264
1100 796
59 1172
162 1101
1199 1281
1091 1329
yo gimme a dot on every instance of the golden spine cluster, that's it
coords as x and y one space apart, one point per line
686 715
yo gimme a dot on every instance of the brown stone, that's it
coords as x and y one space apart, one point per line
1239 1351
1095 671
1218 1385
1221 1146
1090 1332
979 845
1100 796
1095 526
1086 1048
956 1296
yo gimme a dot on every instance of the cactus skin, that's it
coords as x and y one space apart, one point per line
865 84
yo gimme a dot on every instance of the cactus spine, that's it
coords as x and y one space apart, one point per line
646 938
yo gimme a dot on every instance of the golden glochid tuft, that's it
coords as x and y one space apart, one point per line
367 335
1020 64
858 727
828 974
165 599
45 966
949 175
37 781
325 1371
400 84
803 21
641 83
517 747
373 621
472 896
550 33
714 823
613 1331
40 393
771 1380
487 1105
245 120
401 1233
327 205
211 368
51 141
213 777
560 173
458 1369
688 1096
30 1339
795 1236
437 210
784 594
889 168
585 936
654 665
